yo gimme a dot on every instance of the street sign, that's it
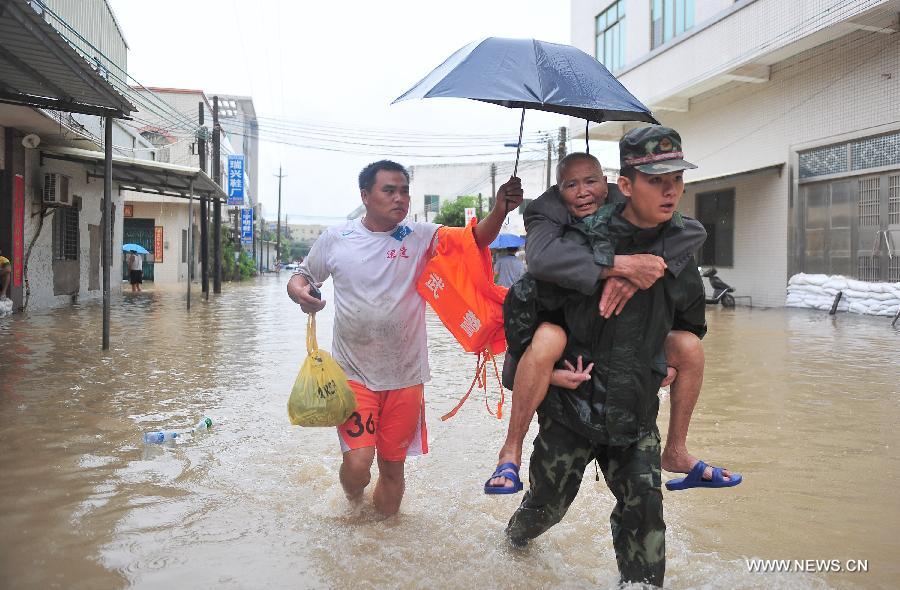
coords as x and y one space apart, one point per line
235 180
470 213
247 226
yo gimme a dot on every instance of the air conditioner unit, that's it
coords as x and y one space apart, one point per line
56 189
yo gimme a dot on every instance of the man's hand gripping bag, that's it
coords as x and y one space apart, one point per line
321 395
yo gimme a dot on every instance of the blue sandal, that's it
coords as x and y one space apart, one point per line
694 479
509 471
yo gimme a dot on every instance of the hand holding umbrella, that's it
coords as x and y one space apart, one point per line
510 194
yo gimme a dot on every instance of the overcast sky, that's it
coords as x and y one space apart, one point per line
332 64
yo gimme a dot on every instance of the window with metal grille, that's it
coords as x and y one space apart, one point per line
716 212
65 233
869 269
873 152
432 203
610 37
669 18
894 270
862 154
894 199
831 159
869 202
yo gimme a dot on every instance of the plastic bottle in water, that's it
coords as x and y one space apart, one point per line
204 424
160 436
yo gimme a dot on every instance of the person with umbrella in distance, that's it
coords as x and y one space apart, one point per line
508 268
135 262
379 326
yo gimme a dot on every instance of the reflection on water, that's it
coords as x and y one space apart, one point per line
803 404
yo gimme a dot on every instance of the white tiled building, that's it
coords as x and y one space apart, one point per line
432 185
792 112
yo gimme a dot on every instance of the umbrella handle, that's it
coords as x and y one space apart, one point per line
587 130
506 208
519 145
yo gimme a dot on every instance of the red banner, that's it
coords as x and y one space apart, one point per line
158 244
18 228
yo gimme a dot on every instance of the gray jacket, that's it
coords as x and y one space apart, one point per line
552 259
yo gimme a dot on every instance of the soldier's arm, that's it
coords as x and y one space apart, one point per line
681 246
690 305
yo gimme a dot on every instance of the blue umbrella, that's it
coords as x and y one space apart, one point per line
137 248
532 74
507 241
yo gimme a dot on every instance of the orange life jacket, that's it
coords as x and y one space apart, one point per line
458 283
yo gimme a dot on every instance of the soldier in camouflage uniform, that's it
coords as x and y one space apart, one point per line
612 417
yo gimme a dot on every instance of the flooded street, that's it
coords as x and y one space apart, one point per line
806 406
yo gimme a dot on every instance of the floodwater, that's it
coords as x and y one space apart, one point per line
806 406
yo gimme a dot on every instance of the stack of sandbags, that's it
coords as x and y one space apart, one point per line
818 292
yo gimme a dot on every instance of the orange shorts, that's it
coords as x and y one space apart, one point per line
392 421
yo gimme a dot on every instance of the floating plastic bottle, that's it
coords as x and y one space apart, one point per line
204 424
162 436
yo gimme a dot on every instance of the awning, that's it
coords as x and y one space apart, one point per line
145 176
759 170
39 68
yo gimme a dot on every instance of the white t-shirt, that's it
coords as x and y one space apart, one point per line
379 326
136 262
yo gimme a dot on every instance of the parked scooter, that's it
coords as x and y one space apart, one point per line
721 291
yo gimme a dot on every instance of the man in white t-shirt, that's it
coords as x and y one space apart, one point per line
379 326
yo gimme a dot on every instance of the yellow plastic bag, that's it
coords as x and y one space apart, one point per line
321 395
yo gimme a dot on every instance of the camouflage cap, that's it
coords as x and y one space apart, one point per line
652 150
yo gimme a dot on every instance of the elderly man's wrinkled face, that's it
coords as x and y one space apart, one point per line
583 187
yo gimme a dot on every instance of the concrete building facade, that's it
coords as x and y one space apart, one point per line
432 185
176 142
790 110
57 255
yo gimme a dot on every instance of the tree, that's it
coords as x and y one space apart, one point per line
453 213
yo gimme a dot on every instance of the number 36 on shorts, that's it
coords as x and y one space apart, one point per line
355 427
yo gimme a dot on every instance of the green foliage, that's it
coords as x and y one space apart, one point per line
236 270
453 213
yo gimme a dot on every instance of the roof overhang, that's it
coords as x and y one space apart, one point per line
143 176
38 68
761 170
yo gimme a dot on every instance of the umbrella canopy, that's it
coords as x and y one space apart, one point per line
532 74
136 248
507 241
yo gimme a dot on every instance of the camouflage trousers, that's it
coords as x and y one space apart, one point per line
633 475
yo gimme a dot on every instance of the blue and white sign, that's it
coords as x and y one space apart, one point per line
235 180
247 226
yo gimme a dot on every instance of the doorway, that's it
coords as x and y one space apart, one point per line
140 232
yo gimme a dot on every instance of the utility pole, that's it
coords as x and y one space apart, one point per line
262 238
549 161
480 213
204 210
217 212
278 219
493 198
106 255
562 143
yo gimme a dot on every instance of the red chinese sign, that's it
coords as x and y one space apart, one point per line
158 244
18 228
